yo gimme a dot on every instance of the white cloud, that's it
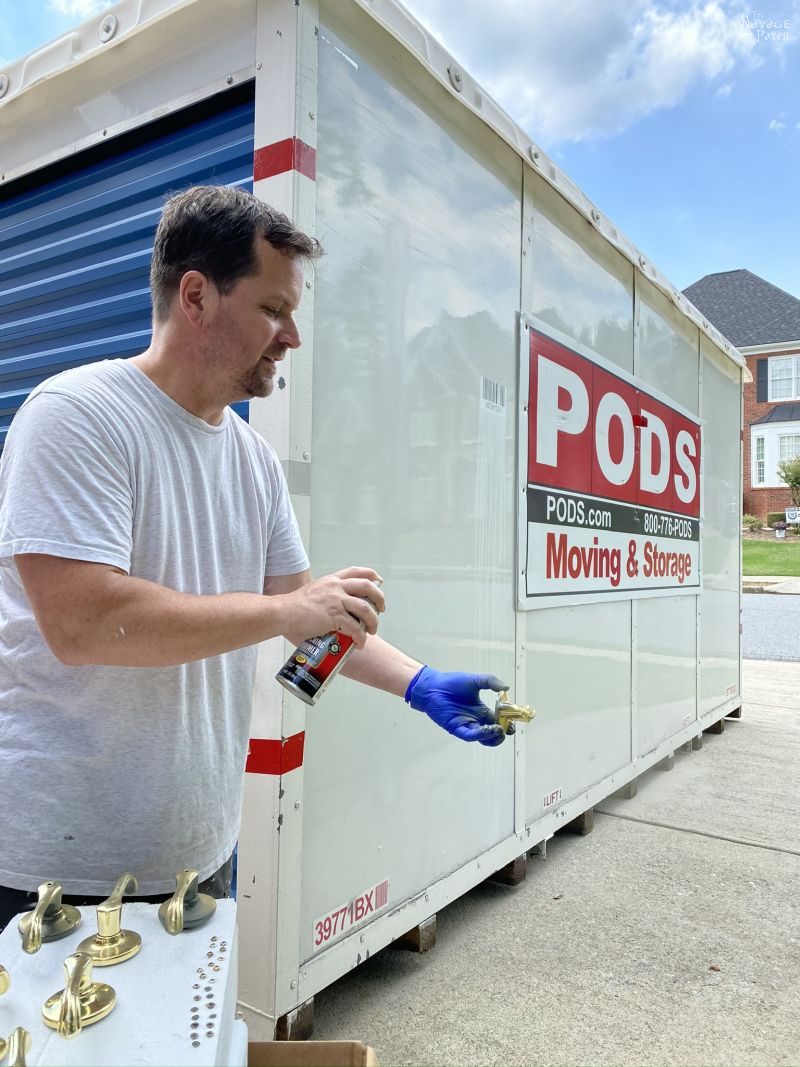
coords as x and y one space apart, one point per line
568 70
78 9
776 125
724 90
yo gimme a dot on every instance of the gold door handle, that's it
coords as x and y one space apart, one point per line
111 944
50 920
187 907
81 1002
17 1047
506 713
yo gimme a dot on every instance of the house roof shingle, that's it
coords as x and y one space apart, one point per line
780 413
746 309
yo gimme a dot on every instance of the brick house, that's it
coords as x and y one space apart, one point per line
764 324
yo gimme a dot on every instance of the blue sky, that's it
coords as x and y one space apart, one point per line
679 118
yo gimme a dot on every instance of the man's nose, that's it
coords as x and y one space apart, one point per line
291 336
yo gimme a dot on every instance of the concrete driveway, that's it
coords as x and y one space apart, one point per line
670 935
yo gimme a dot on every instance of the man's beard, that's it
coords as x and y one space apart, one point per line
258 382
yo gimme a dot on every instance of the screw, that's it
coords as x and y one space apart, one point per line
229 80
108 27
456 79
297 805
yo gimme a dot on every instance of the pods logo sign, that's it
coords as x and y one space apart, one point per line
594 432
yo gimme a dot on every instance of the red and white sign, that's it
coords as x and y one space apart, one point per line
613 481
341 920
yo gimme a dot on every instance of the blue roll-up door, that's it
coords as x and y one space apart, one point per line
76 241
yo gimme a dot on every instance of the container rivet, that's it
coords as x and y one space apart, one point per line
306 455
456 79
108 27
308 285
293 984
642 262
534 154
297 805
259 65
229 80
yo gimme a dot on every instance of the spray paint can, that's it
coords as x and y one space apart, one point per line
314 664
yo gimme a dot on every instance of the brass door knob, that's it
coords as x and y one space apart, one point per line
18 1046
81 1002
111 944
187 907
5 983
506 713
50 920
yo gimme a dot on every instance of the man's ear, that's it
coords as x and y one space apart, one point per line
197 297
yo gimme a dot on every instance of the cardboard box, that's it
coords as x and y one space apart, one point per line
310 1054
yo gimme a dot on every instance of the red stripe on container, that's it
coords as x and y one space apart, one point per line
278 158
275 756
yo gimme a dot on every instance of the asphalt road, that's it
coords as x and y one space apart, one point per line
770 626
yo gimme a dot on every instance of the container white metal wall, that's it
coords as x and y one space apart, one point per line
397 424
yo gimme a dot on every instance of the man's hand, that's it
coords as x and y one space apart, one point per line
348 601
452 700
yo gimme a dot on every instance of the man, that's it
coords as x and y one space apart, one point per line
141 525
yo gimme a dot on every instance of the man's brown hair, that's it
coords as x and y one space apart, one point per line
213 229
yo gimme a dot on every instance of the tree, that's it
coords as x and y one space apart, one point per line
789 472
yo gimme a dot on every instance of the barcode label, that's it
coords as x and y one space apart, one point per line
493 395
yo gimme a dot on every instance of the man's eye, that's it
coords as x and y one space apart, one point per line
274 312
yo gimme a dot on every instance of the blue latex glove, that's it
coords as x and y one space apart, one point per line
452 700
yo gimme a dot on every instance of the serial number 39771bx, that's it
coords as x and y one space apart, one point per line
342 919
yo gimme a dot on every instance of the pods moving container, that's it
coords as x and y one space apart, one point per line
500 404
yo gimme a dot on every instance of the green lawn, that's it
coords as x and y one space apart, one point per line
771 557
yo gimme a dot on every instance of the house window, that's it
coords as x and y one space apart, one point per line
784 378
789 446
759 469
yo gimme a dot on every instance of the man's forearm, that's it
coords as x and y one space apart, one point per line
148 625
382 666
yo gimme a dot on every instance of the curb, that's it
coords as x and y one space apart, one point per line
767 589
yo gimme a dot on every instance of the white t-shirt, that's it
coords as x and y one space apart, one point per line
112 769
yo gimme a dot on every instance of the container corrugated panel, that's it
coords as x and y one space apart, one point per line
75 246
